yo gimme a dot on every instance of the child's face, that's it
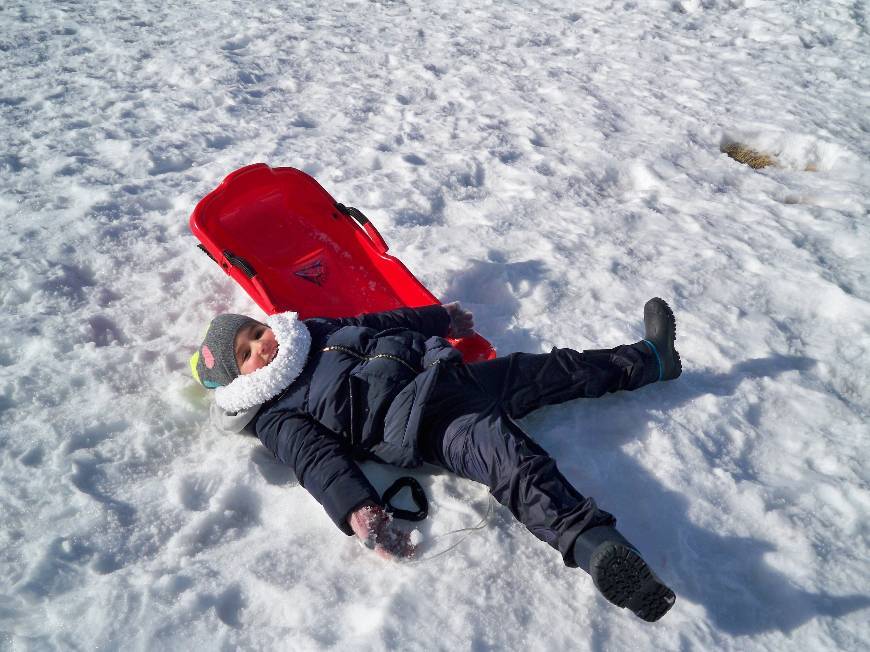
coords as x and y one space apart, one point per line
255 347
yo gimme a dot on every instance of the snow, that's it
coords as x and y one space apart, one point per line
550 165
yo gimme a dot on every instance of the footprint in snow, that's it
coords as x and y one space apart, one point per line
413 159
194 492
237 511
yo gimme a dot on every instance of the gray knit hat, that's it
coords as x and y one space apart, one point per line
214 364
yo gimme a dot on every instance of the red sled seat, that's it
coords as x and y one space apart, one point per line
291 246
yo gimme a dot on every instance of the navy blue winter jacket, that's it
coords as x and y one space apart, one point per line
360 395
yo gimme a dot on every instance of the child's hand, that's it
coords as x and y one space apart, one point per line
461 321
375 529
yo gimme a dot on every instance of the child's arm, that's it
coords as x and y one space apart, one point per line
448 320
322 463
429 320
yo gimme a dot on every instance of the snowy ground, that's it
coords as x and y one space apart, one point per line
549 164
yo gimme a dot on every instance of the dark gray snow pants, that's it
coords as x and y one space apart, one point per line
469 428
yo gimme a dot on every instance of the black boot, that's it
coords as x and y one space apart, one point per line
660 332
621 574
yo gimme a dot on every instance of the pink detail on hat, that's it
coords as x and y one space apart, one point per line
207 356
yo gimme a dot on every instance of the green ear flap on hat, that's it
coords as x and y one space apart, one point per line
194 359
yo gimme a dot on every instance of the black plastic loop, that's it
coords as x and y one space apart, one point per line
355 213
240 263
417 494
206 252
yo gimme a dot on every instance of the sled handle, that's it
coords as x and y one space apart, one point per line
417 494
373 234
240 263
251 274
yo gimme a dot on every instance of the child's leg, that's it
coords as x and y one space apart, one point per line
467 430
523 382
487 446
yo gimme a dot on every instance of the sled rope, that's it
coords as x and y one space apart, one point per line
469 530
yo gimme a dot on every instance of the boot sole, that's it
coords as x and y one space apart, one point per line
672 320
624 578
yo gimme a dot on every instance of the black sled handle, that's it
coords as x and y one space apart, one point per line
417 494
366 224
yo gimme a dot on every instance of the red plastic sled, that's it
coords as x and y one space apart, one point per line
291 246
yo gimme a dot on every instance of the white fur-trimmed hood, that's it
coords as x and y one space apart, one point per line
257 387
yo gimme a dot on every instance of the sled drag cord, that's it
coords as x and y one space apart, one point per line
468 530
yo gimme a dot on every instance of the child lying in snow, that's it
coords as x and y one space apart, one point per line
322 393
